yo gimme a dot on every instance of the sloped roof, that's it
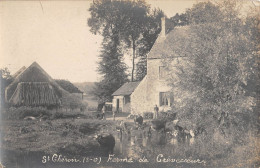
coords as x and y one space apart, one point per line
127 89
34 73
163 45
19 72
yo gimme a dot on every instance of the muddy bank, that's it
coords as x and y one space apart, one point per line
26 141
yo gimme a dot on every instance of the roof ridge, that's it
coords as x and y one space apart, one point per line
20 76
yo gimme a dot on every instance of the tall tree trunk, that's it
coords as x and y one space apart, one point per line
133 62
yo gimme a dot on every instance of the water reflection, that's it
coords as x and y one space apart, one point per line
137 144
173 141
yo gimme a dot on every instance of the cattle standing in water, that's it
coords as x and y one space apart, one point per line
122 127
99 116
187 134
182 133
139 120
200 130
107 142
120 130
158 125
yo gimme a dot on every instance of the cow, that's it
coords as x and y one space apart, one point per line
139 120
200 131
158 125
122 127
107 142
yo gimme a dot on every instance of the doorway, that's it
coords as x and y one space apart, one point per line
117 105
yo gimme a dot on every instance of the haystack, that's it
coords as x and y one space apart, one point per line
34 87
35 94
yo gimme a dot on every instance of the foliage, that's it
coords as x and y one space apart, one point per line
68 86
23 111
130 20
112 68
5 80
168 116
141 68
220 60
5 73
73 102
70 115
146 41
204 12
177 20
148 115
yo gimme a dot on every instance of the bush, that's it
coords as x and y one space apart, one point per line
169 115
92 108
87 128
73 149
57 115
83 106
22 112
73 102
69 115
148 115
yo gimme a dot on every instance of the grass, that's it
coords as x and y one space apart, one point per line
73 135
92 103
51 136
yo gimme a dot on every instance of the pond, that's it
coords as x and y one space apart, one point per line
134 149
138 145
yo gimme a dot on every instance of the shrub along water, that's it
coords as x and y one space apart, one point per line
24 111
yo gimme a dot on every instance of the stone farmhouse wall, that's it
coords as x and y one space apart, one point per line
123 107
147 94
139 98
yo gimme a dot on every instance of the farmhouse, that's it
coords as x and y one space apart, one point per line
121 97
153 89
34 87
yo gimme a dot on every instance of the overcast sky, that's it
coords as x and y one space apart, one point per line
55 34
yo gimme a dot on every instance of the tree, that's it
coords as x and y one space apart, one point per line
136 18
178 20
129 19
112 68
220 58
68 86
204 12
5 80
149 36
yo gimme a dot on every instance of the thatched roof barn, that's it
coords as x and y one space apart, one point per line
34 87
35 94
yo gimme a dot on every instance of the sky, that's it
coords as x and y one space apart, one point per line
55 34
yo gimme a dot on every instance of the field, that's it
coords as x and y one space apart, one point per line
87 88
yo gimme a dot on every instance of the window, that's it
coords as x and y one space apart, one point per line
162 72
126 99
166 98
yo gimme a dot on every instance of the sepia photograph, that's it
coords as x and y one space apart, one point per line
129 84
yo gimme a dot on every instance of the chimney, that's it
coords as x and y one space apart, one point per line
163 26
